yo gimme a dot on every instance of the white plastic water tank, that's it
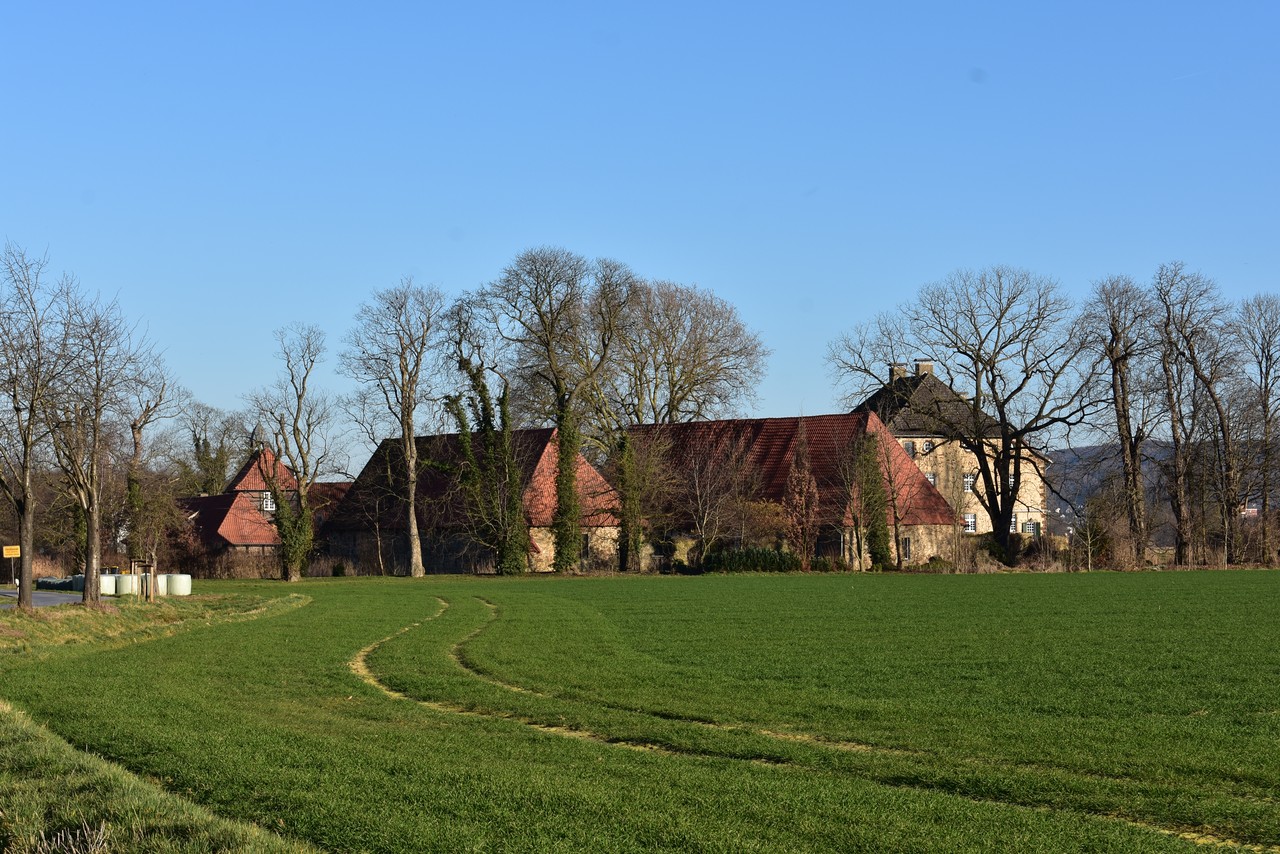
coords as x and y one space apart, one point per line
107 584
162 584
127 585
179 584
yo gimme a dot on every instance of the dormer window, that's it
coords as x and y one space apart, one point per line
268 503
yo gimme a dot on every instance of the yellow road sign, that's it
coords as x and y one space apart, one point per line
13 551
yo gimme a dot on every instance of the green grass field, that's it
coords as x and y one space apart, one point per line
1100 712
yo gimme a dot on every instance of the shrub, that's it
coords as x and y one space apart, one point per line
751 560
339 569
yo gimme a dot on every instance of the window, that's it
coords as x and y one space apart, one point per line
910 447
906 548
1013 524
926 446
268 503
1029 527
932 477
971 523
969 481
1013 483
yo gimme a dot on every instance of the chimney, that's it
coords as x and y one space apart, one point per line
923 367
897 371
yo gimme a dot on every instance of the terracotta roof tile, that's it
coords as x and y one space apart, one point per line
768 446
374 495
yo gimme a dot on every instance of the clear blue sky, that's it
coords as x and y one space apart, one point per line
228 168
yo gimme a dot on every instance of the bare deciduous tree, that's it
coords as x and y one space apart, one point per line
685 356
393 352
106 364
1257 327
33 353
1006 339
299 420
1119 320
800 502
557 318
1195 366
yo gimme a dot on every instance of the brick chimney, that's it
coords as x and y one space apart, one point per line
923 367
897 371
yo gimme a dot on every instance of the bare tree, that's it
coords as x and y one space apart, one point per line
800 502
393 351
1195 365
1008 340
106 363
299 420
686 355
557 318
1119 321
1257 327
154 396
33 354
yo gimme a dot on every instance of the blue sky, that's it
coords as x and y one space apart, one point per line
229 168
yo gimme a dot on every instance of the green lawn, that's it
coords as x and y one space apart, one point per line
720 713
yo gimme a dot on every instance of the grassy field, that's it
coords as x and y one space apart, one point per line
1122 712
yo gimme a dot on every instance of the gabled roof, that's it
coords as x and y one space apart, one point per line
231 519
252 476
923 405
375 495
768 446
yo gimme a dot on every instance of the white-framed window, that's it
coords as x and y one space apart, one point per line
1028 527
932 477
1013 524
926 446
969 481
268 503
906 548
1013 483
910 447
971 523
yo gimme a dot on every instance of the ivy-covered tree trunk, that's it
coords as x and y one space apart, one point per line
566 524
490 478
875 503
630 535
297 535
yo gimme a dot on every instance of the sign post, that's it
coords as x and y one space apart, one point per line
12 552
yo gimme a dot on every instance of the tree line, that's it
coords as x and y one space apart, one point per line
98 439
1178 385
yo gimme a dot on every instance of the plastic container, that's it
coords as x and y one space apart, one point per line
107 584
127 585
77 583
179 584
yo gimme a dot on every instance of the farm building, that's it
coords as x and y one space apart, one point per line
732 478
235 527
922 412
368 527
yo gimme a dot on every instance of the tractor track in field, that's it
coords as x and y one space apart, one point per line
360 668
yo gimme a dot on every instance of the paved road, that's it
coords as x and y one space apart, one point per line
39 598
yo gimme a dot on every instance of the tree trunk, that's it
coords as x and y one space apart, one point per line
416 567
93 556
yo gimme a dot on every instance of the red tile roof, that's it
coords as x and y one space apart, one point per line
768 447
235 518
231 519
252 475
375 493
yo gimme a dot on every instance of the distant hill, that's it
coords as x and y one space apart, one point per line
1078 473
